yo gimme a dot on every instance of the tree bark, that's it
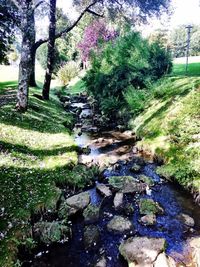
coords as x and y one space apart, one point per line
51 48
25 61
32 81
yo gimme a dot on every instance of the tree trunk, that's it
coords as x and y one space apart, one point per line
32 81
50 53
25 61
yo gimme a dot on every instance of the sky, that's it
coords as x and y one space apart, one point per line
185 12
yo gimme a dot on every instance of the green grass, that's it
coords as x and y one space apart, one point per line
36 154
193 69
170 127
78 87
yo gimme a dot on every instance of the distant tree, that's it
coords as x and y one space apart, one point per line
178 38
195 43
8 20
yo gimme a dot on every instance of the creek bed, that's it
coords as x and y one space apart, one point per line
115 150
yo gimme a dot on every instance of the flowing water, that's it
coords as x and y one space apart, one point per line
117 151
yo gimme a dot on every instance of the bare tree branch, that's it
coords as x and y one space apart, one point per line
95 14
87 9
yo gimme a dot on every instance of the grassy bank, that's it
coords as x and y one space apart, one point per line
169 128
36 154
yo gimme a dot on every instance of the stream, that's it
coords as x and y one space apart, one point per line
115 154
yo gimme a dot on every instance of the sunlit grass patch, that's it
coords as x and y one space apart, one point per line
170 128
36 151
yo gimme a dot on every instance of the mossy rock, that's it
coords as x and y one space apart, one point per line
126 184
147 180
91 214
119 224
74 204
51 232
148 206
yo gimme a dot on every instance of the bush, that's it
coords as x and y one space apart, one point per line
127 62
136 99
67 72
160 60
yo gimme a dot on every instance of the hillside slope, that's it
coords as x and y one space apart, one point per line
169 128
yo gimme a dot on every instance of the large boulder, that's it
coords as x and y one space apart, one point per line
104 190
148 206
126 184
119 224
142 251
91 214
50 232
74 204
91 236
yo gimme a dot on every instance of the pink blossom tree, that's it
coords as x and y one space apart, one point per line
94 35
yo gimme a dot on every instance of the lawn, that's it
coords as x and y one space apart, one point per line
179 67
37 153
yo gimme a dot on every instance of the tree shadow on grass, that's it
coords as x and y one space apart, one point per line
9 148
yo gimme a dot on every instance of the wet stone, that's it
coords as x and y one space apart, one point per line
74 204
149 219
118 200
126 184
119 224
102 262
91 236
104 190
142 250
186 219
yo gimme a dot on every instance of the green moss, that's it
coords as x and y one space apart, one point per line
147 180
148 206
91 214
119 181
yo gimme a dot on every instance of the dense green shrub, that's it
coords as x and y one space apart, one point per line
68 72
136 99
160 60
124 68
